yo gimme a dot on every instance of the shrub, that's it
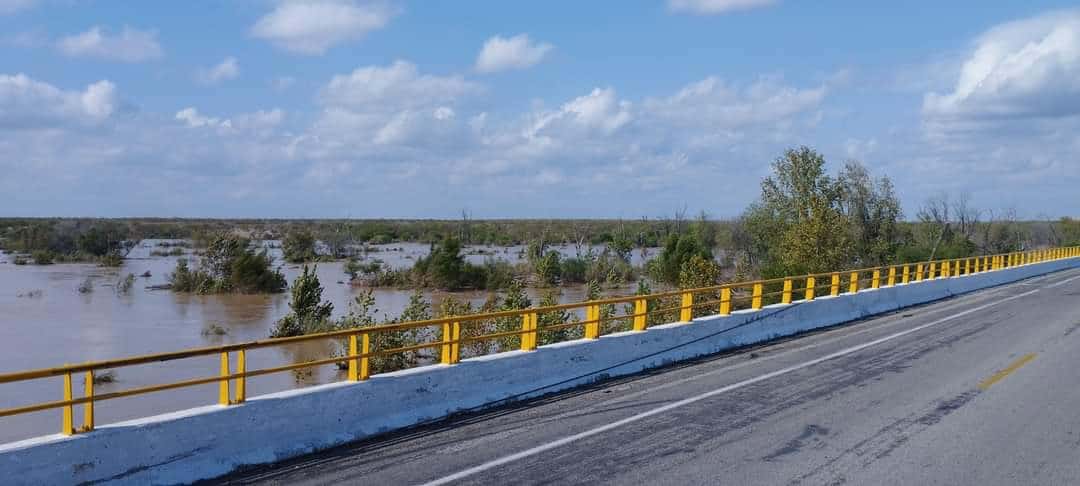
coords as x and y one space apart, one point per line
124 285
42 257
309 314
111 260
299 246
86 286
447 269
229 265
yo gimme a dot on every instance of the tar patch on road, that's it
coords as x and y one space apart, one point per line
812 436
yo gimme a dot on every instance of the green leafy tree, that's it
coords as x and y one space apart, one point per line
698 272
555 318
299 246
229 265
309 313
514 299
798 225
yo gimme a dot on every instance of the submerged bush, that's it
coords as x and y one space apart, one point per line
309 314
42 257
124 285
229 265
298 246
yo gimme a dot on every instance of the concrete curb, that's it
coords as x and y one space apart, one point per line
210 441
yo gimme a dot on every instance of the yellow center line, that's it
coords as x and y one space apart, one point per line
996 377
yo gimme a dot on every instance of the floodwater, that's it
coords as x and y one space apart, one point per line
46 321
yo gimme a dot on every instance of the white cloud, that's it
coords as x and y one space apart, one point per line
227 69
12 6
399 85
713 7
311 28
600 110
712 104
130 45
1027 68
193 119
259 121
26 103
517 52
378 128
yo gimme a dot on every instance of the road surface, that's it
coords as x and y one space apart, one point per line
979 389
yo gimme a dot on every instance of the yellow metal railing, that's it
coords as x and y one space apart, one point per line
720 299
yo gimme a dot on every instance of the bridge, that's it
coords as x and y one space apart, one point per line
946 371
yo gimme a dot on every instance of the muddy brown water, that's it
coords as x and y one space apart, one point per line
46 321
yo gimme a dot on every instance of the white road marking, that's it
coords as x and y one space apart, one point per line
687 401
1063 282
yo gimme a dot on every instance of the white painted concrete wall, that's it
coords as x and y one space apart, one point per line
210 441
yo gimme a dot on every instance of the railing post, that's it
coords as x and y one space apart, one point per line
241 381
686 310
956 268
592 316
853 283
354 362
88 407
967 266
933 270
811 282
223 384
756 299
365 361
785 298
918 272
907 274
641 314
725 301
892 276
946 269
875 279
67 427
834 288
528 331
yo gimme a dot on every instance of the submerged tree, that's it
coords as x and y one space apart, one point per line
309 313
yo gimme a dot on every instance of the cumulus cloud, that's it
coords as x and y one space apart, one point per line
27 103
378 127
713 7
130 45
227 69
311 28
600 111
517 52
1023 69
259 121
398 85
713 103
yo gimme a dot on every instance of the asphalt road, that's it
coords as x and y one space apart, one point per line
980 389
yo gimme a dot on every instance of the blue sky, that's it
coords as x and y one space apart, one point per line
352 108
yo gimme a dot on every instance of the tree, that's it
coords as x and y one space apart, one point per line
514 299
446 268
299 246
873 213
309 313
808 222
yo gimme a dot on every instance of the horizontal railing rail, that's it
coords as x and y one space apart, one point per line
686 305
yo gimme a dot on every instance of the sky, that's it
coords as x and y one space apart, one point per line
554 109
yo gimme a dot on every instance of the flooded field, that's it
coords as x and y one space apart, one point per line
45 320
